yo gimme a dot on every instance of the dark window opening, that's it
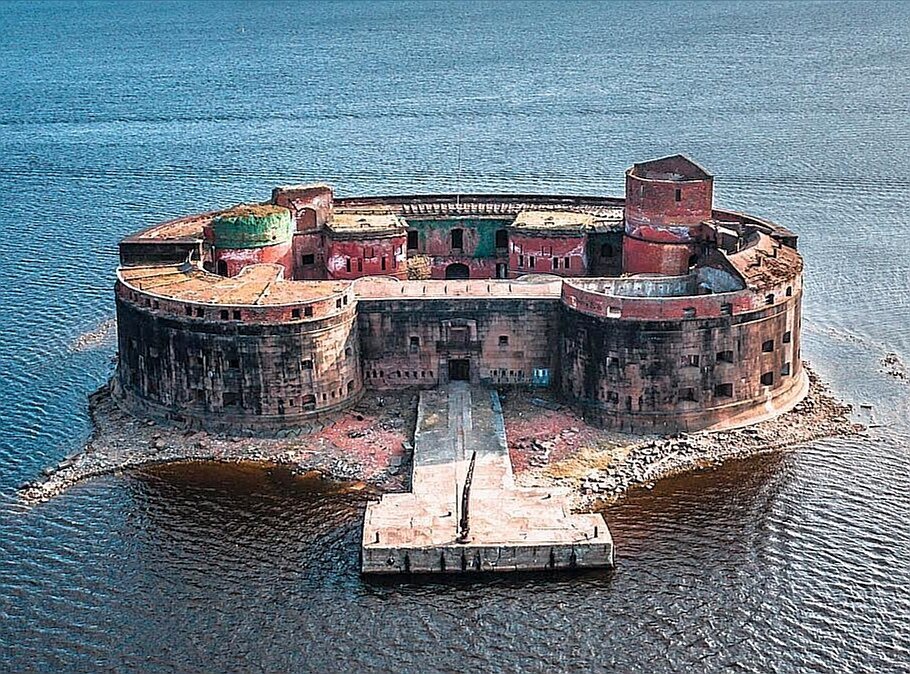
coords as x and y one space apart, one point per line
412 240
338 303
612 397
521 260
531 262
229 399
189 310
347 264
200 312
566 262
222 268
383 263
767 379
307 364
691 360
767 346
295 313
789 291
723 391
415 343
687 394
726 309
351 386
224 314
725 356
359 264
234 363
769 299
459 370
503 340
678 195
689 312
457 239
308 401
348 351
787 337
555 263
502 239
606 250
785 370
308 311
236 314
308 259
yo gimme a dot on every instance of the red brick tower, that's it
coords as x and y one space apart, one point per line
668 201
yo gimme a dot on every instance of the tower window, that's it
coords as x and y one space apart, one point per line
347 264
725 356
678 195
789 292
457 239
555 263
415 343
531 261
787 337
767 379
236 314
723 391
502 239
503 340
726 309
769 299
308 311
785 370
308 259
566 262
412 239
295 313
767 346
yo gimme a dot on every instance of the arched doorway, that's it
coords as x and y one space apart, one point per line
457 271
222 268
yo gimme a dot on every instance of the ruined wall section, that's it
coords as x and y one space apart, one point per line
222 366
410 342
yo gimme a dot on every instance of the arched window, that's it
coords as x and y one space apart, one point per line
458 271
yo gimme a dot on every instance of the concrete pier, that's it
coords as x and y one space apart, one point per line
509 528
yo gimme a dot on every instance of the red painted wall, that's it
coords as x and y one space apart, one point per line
238 258
544 249
309 243
310 205
366 257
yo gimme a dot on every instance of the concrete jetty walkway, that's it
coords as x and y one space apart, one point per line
509 528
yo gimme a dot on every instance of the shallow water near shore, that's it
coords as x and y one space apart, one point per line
116 116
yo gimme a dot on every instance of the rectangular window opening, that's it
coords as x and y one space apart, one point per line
723 391
725 356
308 260
767 379
503 340
412 240
767 346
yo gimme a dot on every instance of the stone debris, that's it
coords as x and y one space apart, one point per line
893 366
373 443
602 469
368 443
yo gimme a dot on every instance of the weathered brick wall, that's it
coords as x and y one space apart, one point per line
679 375
539 252
236 373
410 342
350 258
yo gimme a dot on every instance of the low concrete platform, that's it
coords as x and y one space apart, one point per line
509 528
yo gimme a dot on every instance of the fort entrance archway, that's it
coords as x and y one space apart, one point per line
459 369
458 271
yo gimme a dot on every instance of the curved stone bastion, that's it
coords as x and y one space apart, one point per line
656 312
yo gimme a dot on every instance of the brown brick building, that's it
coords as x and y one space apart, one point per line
655 312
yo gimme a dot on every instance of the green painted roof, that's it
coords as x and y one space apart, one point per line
252 226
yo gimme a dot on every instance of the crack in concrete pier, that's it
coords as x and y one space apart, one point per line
511 528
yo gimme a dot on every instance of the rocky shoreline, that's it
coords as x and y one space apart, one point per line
602 472
369 446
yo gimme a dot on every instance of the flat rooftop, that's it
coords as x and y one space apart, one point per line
554 221
365 223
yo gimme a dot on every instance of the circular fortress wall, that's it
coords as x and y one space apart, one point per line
252 234
669 365
229 366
